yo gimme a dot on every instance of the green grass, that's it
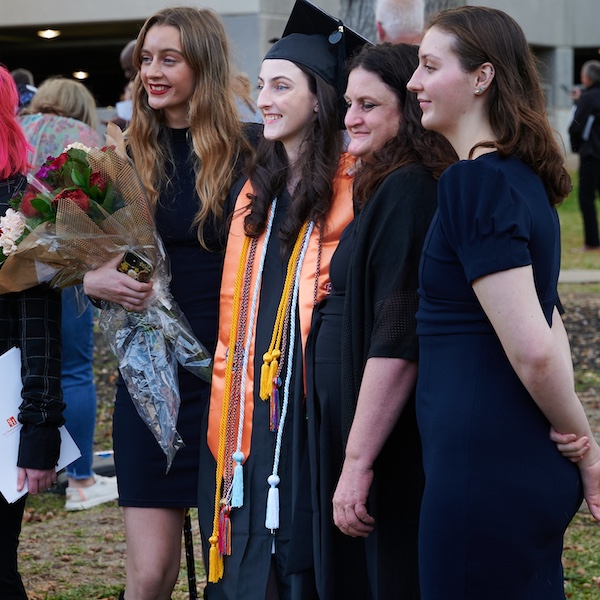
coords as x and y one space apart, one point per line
571 226
581 556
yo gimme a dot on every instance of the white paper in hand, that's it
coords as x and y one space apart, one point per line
10 400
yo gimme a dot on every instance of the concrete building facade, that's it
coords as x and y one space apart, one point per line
563 33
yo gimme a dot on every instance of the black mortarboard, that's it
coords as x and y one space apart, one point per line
317 40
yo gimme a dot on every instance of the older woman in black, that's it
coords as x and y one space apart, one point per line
364 331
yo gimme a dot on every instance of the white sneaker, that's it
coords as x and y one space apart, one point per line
104 490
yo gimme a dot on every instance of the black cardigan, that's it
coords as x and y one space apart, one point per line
31 321
381 296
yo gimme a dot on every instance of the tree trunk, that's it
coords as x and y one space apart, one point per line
360 16
434 6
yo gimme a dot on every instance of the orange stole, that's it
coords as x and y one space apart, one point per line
341 213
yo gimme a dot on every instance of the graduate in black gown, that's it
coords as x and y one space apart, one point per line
188 147
495 370
366 328
287 221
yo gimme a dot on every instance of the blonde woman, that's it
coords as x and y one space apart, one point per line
187 148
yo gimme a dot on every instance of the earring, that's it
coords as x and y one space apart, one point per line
479 91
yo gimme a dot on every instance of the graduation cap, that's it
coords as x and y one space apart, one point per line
318 41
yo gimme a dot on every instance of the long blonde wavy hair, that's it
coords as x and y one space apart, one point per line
215 129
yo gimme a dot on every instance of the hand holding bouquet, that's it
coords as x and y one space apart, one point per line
82 210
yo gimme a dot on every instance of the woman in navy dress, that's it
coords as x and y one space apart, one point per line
494 369
188 149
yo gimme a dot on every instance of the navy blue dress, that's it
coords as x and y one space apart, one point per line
498 494
196 277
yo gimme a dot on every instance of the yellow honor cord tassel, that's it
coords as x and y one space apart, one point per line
265 385
267 372
273 370
216 566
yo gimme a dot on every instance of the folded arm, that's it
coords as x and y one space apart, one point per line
540 356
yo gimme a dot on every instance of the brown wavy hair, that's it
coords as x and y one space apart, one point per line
216 133
318 164
394 65
517 107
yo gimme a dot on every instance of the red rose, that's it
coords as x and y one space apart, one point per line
26 208
59 161
78 196
97 179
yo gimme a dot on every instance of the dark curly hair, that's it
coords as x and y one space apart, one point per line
394 65
318 164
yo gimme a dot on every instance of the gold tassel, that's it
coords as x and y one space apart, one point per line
265 383
215 561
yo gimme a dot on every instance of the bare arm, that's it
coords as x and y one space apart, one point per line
386 386
106 283
538 354
569 445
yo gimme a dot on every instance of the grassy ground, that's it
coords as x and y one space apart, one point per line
572 235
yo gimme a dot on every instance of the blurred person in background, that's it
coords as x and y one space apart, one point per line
584 132
63 112
400 21
247 110
25 86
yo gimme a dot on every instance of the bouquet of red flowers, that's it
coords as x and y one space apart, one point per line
78 212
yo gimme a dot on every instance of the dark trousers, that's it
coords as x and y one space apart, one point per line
11 516
589 185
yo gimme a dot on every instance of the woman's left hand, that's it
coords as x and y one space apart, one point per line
589 467
569 445
350 502
37 480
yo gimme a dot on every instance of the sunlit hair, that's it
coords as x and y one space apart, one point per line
216 133
317 165
394 65
517 108
65 98
13 145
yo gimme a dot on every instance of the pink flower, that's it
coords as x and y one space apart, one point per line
43 172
